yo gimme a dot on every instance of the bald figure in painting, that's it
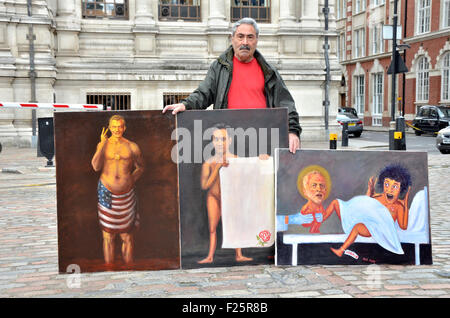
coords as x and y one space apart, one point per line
121 164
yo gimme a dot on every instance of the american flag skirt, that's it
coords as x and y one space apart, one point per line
116 212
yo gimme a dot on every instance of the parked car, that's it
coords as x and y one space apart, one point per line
443 140
350 116
431 119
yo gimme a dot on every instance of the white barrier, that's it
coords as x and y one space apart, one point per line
51 106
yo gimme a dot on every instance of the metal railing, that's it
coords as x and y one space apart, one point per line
256 9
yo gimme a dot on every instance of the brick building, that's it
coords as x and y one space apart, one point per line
428 59
365 56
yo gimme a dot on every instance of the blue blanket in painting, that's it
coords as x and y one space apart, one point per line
375 216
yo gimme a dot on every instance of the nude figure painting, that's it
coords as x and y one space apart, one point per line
219 140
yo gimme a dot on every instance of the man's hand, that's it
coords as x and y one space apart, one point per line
176 108
294 142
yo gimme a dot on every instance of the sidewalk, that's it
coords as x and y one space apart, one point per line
29 251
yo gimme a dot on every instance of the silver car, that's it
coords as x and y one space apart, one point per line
349 115
443 140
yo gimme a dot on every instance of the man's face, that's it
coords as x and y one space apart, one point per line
244 42
391 190
221 141
117 128
316 188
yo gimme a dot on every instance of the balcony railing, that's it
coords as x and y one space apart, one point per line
185 10
256 9
110 9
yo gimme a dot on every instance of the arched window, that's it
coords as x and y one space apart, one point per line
445 79
422 79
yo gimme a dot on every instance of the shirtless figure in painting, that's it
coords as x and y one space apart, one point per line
395 181
121 163
210 181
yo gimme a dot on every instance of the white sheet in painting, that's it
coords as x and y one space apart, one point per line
248 207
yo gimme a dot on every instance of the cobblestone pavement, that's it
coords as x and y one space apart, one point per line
28 253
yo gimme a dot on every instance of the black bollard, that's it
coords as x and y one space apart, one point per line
400 127
333 141
46 139
398 140
344 134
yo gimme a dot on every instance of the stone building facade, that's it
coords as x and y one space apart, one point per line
142 54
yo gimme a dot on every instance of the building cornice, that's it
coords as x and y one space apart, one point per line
427 36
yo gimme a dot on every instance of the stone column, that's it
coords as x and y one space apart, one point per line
310 14
144 17
7 132
218 28
68 28
216 16
144 29
287 13
66 8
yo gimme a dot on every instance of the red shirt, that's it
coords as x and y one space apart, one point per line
247 86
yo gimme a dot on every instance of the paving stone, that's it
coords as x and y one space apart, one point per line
29 254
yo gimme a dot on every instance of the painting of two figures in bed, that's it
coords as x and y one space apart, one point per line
352 207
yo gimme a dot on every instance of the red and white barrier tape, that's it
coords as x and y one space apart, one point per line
51 106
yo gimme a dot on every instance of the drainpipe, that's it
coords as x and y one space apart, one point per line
405 19
32 74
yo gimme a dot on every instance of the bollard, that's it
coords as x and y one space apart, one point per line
333 141
46 139
344 134
398 140
400 126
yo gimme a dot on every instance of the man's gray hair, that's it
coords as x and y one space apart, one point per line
245 21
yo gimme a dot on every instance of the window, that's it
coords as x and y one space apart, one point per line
445 82
110 101
377 101
360 43
359 94
377 39
188 10
110 9
377 2
173 98
256 9
446 21
341 47
423 16
341 8
422 80
360 5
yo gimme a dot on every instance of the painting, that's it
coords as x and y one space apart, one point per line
117 191
226 173
352 207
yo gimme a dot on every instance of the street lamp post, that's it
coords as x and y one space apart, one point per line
326 47
394 79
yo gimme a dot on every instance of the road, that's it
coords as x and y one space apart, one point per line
29 249
414 143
